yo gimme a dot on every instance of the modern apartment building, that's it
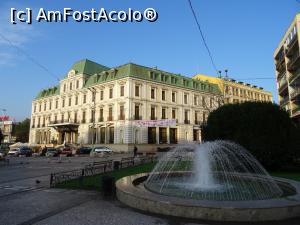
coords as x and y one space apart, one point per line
236 91
287 63
122 106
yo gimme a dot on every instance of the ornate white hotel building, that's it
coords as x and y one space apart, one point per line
121 107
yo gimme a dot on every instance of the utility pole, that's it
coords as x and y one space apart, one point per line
93 91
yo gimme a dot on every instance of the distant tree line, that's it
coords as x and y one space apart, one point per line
21 131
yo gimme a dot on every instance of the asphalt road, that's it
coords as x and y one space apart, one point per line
23 201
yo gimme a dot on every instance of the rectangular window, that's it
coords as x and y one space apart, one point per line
102 135
153 93
163 95
83 117
185 99
173 96
196 118
84 98
63 103
101 95
77 84
34 108
137 112
71 86
186 117
62 118
163 113
45 106
93 96
70 101
64 87
50 105
101 115
122 114
92 116
56 104
75 117
153 113
173 113
110 114
195 100
111 135
137 90
76 100
110 93
122 90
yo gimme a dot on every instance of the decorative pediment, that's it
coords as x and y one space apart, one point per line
71 73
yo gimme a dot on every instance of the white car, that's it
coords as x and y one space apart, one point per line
100 151
14 152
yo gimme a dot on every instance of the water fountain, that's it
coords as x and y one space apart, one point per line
217 180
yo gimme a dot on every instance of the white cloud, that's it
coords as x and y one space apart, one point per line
18 35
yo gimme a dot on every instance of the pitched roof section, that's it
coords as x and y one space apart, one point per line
48 92
152 74
88 67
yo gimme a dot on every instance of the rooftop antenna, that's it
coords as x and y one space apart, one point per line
226 73
220 73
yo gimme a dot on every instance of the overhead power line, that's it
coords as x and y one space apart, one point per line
203 38
29 57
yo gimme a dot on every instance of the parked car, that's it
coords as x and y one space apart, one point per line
100 151
25 151
14 152
2 154
84 150
52 152
67 151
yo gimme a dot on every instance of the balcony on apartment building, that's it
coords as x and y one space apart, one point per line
296 110
295 93
295 76
293 62
291 46
282 84
284 100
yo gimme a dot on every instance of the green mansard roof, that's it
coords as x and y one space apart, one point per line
102 74
151 74
88 67
48 92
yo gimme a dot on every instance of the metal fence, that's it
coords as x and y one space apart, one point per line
98 168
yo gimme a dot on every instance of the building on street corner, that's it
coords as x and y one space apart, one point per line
287 64
237 91
121 107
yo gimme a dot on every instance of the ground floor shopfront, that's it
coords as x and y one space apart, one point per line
123 135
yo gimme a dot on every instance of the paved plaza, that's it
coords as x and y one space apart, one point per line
23 201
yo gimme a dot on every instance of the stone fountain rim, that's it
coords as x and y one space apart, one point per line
138 197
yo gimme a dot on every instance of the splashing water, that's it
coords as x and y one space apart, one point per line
219 170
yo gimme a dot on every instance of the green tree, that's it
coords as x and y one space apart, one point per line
263 128
21 131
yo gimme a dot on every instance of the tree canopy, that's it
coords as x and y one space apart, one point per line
263 128
21 131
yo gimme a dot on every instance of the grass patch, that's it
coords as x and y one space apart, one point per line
94 182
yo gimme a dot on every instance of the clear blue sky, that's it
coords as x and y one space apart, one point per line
242 36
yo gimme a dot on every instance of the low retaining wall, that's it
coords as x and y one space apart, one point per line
138 197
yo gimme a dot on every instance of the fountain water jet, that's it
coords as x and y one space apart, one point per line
217 180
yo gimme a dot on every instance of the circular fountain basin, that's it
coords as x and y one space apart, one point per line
132 192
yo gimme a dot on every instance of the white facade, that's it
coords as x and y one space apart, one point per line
73 115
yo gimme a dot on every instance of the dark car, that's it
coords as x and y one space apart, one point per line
52 152
84 151
25 151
